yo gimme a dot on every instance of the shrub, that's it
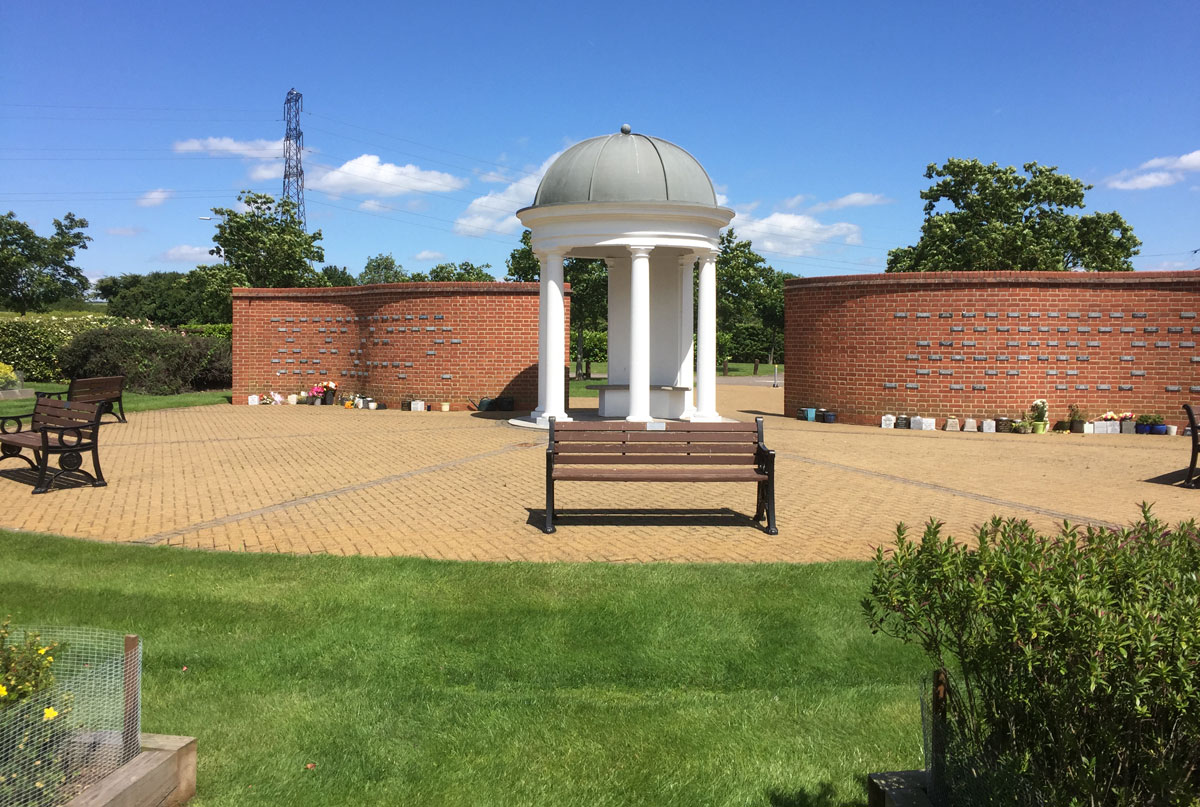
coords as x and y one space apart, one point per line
31 343
213 330
595 345
1073 657
157 362
8 376
34 764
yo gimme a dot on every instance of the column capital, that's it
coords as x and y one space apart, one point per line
708 253
544 255
640 250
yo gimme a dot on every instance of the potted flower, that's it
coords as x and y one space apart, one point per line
1077 418
1037 413
1023 426
1146 424
325 390
1127 423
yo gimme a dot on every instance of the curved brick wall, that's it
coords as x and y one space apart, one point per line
394 342
980 344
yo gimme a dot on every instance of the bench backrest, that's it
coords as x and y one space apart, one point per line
53 414
660 443
101 388
1192 421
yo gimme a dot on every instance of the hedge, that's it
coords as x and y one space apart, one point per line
157 362
31 343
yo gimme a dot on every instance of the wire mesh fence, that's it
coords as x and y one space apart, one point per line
959 772
57 740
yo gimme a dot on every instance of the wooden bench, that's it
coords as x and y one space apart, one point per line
661 452
106 390
65 429
1192 481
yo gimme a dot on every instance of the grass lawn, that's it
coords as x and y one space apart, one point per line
579 386
416 682
134 401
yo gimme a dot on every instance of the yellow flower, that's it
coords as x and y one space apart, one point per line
49 713
3 690
42 652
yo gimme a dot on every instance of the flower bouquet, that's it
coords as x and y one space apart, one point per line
324 392
1037 414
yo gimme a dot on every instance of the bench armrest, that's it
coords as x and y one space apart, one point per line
40 394
765 458
4 427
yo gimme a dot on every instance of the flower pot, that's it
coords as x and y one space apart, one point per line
252 400
1158 428
831 417
328 397
1021 428
1172 430
1142 428
372 405
1128 427
1039 427
445 407
810 414
1076 427
802 414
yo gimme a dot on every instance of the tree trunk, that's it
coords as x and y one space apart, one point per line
579 353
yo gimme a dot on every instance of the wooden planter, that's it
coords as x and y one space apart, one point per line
162 775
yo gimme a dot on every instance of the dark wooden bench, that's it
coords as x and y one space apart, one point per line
661 452
106 390
1192 481
65 429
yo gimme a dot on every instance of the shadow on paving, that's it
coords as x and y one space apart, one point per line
579 517
28 476
1174 478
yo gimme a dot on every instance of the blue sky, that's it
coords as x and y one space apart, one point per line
427 124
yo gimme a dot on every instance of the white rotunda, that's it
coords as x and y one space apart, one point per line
648 210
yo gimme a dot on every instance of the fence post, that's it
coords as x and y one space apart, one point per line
131 731
937 738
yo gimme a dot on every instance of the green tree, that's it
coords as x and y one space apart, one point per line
36 271
1002 220
742 275
382 269
465 272
589 299
267 243
337 276
522 264
164 298
212 289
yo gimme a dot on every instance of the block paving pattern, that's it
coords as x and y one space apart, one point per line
468 486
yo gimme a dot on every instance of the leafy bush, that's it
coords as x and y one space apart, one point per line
595 345
214 330
34 764
157 362
749 341
8 376
1073 658
31 343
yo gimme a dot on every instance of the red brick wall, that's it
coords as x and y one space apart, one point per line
981 344
394 342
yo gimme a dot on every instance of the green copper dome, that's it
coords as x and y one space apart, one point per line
625 167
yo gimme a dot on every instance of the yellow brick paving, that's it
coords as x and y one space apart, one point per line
469 487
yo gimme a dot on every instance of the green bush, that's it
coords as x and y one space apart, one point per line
214 330
749 341
157 362
34 763
595 345
1073 657
31 343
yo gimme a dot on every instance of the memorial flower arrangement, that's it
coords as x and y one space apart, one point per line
321 387
1111 415
1038 409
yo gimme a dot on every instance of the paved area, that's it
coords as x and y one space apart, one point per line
470 487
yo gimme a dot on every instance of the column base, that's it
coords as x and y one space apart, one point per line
638 419
543 420
705 417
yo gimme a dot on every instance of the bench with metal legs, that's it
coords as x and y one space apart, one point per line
63 429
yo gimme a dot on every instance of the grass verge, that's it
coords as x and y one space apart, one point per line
134 401
435 683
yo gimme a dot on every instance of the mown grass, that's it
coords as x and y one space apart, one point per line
579 386
134 401
420 682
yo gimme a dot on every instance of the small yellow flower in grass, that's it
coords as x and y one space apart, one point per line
42 651
49 713
3 690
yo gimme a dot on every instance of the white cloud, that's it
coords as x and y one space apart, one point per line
185 253
261 149
155 197
794 234
125 232
494 212
850 200
429 255
1159 172
495 177
373 206
260 172
368 174
722 200
795 201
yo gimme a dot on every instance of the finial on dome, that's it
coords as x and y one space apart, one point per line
626 128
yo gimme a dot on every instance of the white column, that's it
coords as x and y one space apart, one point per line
706 341
687 359
639 335
553 361
541 405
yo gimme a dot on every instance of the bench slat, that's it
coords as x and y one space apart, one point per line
655 437
703 449
658 475
671 426
655 459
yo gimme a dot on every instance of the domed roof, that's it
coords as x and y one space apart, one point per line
625 167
